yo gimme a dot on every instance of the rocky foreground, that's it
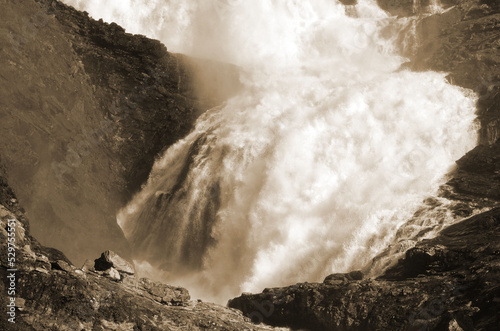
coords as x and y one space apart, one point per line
104 294
447 283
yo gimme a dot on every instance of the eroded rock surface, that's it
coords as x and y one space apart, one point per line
449 281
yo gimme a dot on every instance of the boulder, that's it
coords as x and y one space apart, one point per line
110 259
339 278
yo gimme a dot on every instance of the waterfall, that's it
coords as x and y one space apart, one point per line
326 152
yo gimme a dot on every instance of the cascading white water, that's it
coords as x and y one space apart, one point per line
328 149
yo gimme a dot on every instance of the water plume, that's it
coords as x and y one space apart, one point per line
328 149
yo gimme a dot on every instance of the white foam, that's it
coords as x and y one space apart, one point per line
327 150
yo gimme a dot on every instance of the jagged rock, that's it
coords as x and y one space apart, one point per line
449 282
55 300
110 259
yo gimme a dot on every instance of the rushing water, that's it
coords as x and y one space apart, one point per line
328 149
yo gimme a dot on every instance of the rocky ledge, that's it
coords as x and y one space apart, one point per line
446 283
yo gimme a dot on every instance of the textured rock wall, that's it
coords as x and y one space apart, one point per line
446 283
84 109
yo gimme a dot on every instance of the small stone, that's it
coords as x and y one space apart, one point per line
335 279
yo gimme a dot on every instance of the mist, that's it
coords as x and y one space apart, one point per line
327 150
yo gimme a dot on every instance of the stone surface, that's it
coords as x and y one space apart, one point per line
88 265
61 265
112 273
449 281
85 109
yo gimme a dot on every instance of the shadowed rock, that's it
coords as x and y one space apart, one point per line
110 259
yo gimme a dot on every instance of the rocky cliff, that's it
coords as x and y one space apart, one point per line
85 108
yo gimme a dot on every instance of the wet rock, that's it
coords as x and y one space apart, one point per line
446 283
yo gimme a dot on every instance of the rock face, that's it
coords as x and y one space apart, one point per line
52 294
449 281
84 109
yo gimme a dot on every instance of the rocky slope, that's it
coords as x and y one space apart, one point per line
52 294
85 108
450 282
447 283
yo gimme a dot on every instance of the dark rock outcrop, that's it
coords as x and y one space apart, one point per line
463 41
446 283
84 110
110 259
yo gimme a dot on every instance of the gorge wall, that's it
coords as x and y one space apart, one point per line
86 107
